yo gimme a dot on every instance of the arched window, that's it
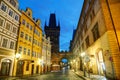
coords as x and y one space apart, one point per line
13 3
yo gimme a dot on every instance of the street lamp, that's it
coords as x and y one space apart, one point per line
17 56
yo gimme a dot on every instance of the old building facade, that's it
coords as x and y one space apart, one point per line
96 42
46 54
9 25
29 46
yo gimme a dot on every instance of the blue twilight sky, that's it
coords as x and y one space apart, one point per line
67 12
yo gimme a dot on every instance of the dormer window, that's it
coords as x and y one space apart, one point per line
13 3
28 13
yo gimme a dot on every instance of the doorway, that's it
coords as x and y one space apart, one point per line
5 67
101 65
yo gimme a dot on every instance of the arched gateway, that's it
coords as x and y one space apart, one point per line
60 60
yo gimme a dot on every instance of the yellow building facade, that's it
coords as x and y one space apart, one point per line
29 48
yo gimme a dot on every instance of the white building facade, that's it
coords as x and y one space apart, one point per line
9 26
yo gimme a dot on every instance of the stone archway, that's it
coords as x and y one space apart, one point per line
57 63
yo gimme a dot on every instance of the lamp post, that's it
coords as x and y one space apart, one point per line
17 56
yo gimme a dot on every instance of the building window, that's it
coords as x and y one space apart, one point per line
24 50
95 32
8 26
23 22
33 54
92 14
26 36
11 45
3 7
27 25
87 42
31 28
5 41
28 51
13 3
16 17
1 22
29 14
30 38
11 13
14 30
20 49
22 34
27 66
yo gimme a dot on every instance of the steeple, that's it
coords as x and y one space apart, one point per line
52 20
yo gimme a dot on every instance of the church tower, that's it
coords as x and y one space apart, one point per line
53 31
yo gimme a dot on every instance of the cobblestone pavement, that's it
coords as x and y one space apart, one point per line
62 75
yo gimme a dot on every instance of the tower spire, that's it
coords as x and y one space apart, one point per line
52 20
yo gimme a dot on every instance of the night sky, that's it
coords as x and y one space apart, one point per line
67 12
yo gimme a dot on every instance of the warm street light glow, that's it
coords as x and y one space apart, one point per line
74 60
83 54
17 56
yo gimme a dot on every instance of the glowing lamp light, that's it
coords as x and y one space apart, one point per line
83 54
17 56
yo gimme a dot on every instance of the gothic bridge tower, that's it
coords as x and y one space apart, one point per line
53 31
